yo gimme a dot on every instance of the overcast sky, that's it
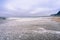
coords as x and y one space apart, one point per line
28 7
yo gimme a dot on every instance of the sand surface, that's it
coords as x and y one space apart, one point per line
42 28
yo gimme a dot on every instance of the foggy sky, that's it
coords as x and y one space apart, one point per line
28 7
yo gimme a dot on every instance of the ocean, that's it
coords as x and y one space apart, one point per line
30 28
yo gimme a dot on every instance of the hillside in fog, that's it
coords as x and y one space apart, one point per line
57 14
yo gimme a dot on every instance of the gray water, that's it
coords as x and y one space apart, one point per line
42 28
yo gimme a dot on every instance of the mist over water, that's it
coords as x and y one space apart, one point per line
39 28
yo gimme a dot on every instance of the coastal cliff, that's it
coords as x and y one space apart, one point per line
58 14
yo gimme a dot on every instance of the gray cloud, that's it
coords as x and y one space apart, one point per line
29 7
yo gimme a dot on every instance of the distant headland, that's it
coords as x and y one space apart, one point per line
2 18
58 14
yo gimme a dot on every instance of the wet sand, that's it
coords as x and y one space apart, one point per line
42 28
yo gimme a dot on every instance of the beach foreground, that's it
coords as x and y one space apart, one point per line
42 28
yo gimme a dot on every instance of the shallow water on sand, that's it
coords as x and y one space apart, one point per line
42 28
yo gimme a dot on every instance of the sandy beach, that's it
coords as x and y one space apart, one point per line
42 28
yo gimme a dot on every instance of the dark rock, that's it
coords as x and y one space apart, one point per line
58 14
2 18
